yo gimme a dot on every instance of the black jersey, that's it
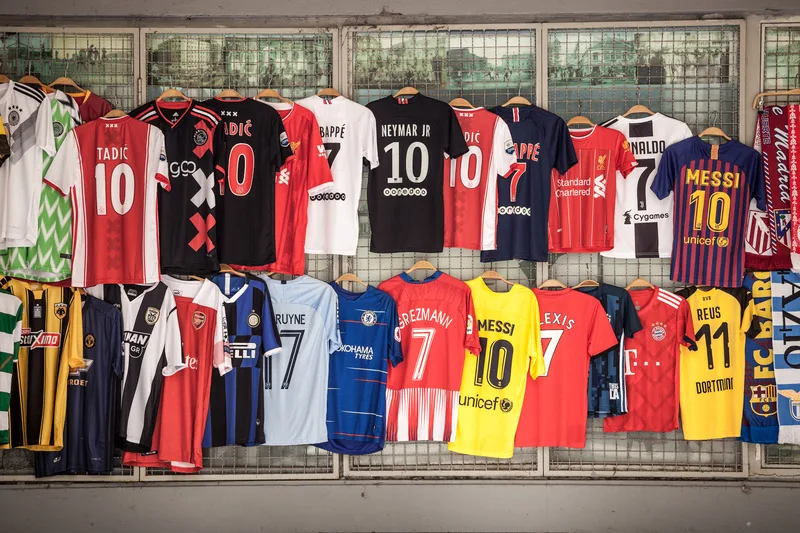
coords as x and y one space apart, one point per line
256 147
187 213
404 193
92 397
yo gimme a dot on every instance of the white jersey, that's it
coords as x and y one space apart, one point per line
296 379
29 130
643 225
152 349
348 131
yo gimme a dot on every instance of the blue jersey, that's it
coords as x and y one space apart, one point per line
356 416
93 394
236 404
760 420
542 143
607 395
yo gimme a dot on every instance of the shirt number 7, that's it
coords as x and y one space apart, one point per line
426 334
552 336
517 170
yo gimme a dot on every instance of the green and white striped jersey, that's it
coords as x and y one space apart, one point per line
10 335
51 258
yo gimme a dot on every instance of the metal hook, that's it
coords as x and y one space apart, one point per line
580 106
638 94
714 118
29 67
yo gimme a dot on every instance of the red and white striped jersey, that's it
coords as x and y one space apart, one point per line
112 168
470 190
437 324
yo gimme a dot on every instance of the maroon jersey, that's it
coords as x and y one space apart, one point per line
90 106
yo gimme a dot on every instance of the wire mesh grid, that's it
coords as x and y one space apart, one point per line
100 62
18 464
487 67
692 74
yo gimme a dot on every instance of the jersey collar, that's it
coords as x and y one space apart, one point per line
408 279
186 112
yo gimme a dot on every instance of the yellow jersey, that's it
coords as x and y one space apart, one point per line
51 344
712 375
493 383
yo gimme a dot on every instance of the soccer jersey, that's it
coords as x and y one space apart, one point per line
49 259
183 410
415 134
151 343
643 222
29 131
583 200
712 378
652 359
768 238
112 168
713 187
358 369
296 380
542 143
437 325
49 348
470 189
493 384
760 420
607 394
92 397
256 147
785 334
306 174
348 132
10 336
187 213
91 105
236 407
573 327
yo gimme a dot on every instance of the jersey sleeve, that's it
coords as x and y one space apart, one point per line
220 153
601 336
16 336
270 336
750 326
330 313
73 343
65 170
626 161
279 144
503 148
44 128
565 156
222 358
393 322
631 324
455 145
369 149
536 367
472 341
664 181
117 351
172 343
686 326
159 150
320 178
756 172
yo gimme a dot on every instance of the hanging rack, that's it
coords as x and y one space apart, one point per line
760 96
350 277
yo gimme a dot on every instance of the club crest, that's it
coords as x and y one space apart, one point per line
198 319
151 316
60 310
369 318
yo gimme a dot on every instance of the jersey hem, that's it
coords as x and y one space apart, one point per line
466 450
348 253
613 255
296 442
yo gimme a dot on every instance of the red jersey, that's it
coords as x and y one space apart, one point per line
437 323
574 327
582 202
470 181
304 175
90 106
112 167
183 411
652 359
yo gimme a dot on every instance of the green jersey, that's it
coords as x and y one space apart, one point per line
51 258
10 335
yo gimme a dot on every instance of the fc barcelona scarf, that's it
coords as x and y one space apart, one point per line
786 351
768 242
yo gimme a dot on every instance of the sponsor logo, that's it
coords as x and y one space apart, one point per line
294 145
721 241
329 196
60 310
241 350
39 339
132 293
509 147
763 399
200 137
89 341
514 210
601 162
369 318
794 402
162 157
284 140
627 216
600 186
359 352
151 316
490 404
183 168
253 320
658 331
198 319
58 128
137 343
405 191
469 325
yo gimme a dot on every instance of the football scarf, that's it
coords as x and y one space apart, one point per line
786 350
767 244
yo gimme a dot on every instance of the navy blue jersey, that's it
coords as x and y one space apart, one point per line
356 416
236 405
542 143
760 420
92 397
607 396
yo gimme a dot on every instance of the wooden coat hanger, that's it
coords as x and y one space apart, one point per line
493 274
406 91
579 120
226 269
714 131
329 91
552 284
272 93
64 81
115 113
639 283
30 79
421 265
173 93
4 78
638 108
586 283
350 277
517 100
229 93
196 278
788 92
461 102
